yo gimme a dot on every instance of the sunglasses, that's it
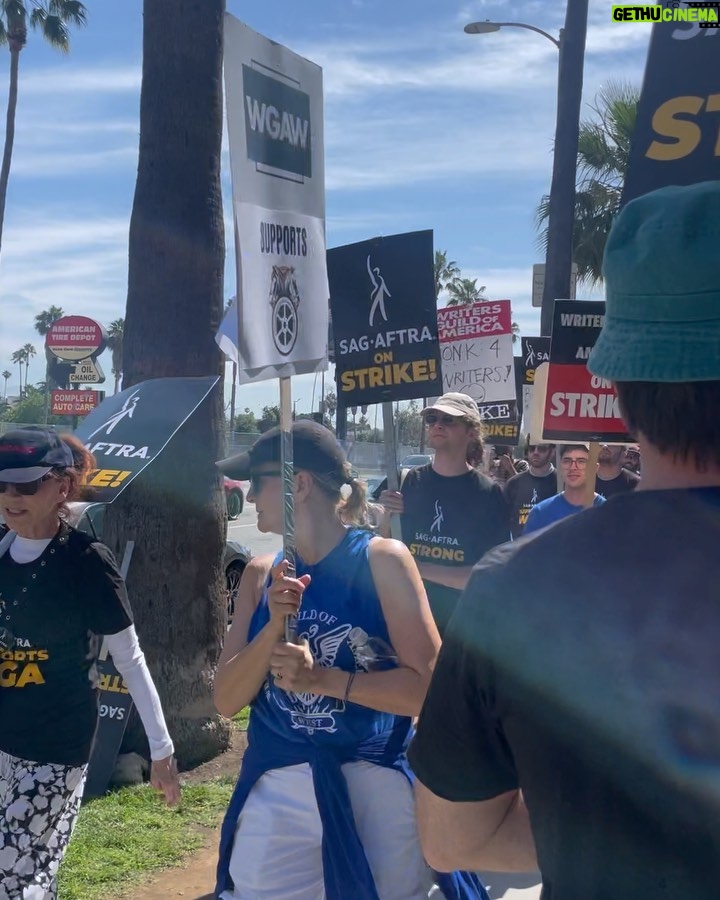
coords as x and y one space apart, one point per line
256 481
435 419
25 488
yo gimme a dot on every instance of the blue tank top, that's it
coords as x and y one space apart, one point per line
342 620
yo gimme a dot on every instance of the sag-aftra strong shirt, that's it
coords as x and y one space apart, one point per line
451 521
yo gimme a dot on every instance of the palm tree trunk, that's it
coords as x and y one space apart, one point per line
9 137
176 512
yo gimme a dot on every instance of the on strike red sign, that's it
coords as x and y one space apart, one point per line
579 405
76 337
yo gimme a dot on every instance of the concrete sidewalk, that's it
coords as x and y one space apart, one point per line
512 887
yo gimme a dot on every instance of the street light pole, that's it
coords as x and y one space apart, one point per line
561 207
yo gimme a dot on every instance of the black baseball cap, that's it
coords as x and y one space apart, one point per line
315 449
29 453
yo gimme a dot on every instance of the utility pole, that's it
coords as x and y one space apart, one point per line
561 212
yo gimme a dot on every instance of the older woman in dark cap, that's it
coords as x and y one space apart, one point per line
60 593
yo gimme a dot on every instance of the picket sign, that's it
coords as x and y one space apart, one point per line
115 704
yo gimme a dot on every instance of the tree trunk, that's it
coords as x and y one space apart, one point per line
9 134
176 513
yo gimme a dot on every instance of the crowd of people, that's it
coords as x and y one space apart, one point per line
509 687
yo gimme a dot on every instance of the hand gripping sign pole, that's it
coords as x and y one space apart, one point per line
288 480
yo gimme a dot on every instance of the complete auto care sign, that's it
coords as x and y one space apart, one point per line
677 135
579 405
382 300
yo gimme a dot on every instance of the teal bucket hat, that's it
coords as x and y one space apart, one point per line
662 289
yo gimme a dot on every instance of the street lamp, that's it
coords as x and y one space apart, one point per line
561 207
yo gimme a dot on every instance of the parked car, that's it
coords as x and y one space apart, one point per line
234 497
416 459
90 517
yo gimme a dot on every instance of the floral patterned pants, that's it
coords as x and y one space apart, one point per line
39 804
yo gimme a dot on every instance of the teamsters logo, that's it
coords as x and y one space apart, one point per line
277 124
284 300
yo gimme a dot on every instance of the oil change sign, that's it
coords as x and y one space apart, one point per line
382 302
579 405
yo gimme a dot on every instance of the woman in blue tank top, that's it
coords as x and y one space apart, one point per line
323 807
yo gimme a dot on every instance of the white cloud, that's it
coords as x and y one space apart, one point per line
71 80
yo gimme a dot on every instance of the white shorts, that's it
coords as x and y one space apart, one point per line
277 851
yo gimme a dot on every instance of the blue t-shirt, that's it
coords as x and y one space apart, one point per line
549 511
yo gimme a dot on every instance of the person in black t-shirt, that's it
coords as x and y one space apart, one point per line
60 593
572 717
451 514
539 483
612 478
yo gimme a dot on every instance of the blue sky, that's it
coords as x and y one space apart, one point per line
425 127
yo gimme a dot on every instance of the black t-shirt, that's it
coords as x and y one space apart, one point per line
522 492
451 521
586 671
57 608
623 483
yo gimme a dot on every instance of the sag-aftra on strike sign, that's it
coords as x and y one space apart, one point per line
579 405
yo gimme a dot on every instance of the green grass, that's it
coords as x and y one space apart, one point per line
241 718
131 832
121 837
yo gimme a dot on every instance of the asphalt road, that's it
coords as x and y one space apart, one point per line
244 530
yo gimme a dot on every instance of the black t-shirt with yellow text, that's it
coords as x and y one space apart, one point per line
57 608
451 521
522 492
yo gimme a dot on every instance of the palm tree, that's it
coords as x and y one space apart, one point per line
603 158
18 359
45 319
6 375
43 323
29 352
464 290
176 511
115 345
446 271
51 17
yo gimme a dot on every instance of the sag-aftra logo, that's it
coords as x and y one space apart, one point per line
277 124
706 15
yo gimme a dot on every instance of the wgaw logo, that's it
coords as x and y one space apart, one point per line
277 125
284 300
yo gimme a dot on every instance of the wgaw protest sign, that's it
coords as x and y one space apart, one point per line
382 298
579 405
275 130
677 134
477 360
